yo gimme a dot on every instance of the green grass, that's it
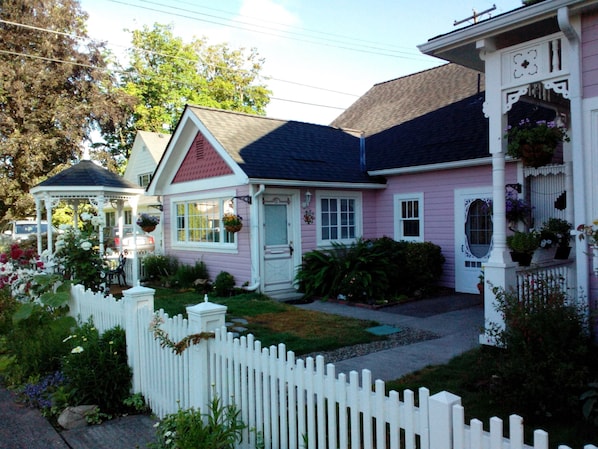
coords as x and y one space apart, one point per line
273 322
469 376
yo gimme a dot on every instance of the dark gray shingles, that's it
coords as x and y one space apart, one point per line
87 174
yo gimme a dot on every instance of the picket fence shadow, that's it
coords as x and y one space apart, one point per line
286 402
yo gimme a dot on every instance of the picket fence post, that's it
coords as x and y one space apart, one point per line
136 299
441 419
203 317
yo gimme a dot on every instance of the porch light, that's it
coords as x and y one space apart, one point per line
307 199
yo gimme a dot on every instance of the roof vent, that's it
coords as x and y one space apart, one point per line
199 148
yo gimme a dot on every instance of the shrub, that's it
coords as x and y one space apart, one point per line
186 275
35 340
220 428
96 368
159 268
224 284
543 367
371 270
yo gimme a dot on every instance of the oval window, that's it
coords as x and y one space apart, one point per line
478 228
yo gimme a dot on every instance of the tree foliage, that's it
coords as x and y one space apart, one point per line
53 93
165 74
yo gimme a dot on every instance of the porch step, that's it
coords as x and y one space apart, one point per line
286 295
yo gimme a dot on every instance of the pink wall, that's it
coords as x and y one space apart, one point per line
589 54
438 188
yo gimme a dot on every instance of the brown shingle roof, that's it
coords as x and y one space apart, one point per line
397 101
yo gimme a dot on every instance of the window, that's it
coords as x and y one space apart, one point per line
339 217
199 222
110 219
128 217
409 223
144 179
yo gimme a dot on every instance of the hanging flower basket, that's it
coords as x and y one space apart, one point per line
147 222
232 222
534 143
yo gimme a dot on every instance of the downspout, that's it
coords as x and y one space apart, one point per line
254 235
575 96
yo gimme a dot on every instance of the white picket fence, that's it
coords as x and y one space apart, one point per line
287 403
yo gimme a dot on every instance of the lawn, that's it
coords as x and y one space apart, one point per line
273 322
466 376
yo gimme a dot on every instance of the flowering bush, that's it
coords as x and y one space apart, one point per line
18 269
96 368
78 251
147 220
516 209
589 231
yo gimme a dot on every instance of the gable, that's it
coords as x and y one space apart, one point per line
201 161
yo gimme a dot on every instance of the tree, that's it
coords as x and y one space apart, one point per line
54 92
165 74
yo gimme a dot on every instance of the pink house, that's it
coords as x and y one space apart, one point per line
546 53
418 169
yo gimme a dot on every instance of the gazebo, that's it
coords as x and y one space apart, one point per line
85 183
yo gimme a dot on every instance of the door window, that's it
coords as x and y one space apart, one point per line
276 224
478 228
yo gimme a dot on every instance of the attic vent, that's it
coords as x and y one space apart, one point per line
199 148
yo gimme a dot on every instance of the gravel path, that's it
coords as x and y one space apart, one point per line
407 336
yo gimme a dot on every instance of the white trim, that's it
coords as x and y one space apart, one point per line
339 194
397 200
320 184
432 167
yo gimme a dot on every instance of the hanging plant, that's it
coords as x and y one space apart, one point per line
534 142
232 222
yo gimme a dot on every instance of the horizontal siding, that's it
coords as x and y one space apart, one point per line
589 55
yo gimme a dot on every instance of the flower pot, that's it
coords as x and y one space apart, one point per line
233 228
524 259
536 155
544 255
149 228
562 252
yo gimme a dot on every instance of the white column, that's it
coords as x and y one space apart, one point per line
133 201
38 216
48 203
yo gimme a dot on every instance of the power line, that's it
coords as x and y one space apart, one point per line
105 69
310 40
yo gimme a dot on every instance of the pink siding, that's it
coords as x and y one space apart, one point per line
439 210
589 54
201 161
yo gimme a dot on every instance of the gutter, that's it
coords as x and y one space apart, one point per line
432 167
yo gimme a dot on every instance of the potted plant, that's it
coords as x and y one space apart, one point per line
560 230
523 245
516 209
147 222
534 142
232 222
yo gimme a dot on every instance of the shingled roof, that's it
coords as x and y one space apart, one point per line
400 100
267 148
87 174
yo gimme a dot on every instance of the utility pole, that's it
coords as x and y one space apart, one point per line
475 16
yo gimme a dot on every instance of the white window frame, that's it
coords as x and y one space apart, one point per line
220 246
358 219
144 179
398 200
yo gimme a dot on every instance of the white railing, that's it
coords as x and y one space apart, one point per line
288 403
549 277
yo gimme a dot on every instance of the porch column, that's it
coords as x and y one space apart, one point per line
499 271
49 203
38 220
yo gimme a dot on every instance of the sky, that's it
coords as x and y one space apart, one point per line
320 55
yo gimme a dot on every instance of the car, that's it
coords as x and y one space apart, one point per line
20 230
145 242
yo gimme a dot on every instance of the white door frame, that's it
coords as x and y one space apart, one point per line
466 277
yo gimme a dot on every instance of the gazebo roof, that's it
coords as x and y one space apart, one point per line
85 179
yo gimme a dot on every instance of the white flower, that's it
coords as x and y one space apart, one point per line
67 338
86 216
85 245
97 221
77 350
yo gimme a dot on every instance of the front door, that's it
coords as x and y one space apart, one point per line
473 237
279 267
